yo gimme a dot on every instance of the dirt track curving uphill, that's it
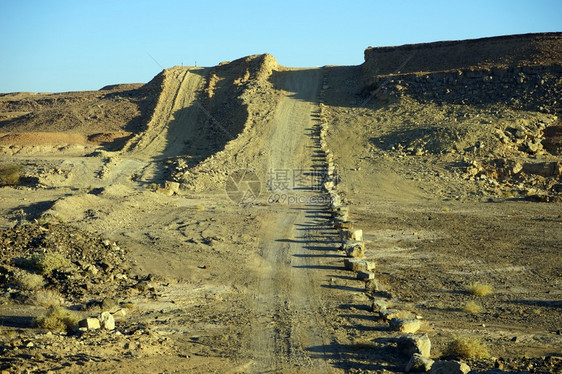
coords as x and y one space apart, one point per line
175 116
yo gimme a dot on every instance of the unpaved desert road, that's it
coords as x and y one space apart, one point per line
289 333
173 122
174 116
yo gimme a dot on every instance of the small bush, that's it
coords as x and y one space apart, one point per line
472 307
465 347
58 319
44 263
480 289
10 175
46 298
30 282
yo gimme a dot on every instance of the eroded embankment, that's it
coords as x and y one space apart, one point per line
502 51
234 99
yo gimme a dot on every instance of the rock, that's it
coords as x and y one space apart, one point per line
120 313
372 285
341 216
407 325
108 303
329 186
341 208
534 147
90 323
366 265
351 263
92 269
410 344
365 275
335 201
498 364
389 314
516 168
173 187
419 363
165 191
353 248
355 235
141 286
107 321
449 367
379 305
357 264
342 224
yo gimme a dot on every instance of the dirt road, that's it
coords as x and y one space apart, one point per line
289 300
173 123
174 117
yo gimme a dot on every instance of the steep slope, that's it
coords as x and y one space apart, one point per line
174 118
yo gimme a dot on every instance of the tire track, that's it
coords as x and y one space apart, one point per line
288 303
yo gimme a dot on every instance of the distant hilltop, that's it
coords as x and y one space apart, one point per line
500 51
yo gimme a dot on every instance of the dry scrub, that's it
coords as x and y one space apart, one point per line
45 263
465 347
472 307
46 298
58 319
480 289
30 282
10 175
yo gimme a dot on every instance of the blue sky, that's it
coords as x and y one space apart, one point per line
68 45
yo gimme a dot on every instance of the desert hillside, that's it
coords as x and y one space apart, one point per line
249 217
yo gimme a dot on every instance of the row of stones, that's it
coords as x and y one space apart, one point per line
417 346
105 320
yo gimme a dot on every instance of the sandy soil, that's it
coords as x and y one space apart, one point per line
215 279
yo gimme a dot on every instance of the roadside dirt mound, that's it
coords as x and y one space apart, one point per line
227 94
238 95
